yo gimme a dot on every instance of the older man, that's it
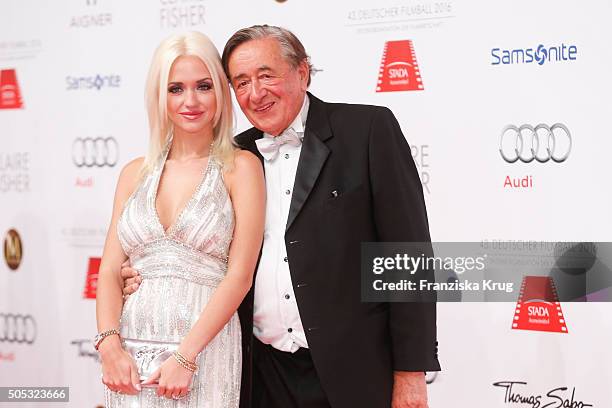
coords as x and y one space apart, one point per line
337 175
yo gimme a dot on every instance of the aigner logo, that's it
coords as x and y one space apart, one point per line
10 96
540 55
16 328
544 144
13 249
399 69
92 18
95 152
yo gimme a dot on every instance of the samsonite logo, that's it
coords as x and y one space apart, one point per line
96 82
399 69
10 94
540 55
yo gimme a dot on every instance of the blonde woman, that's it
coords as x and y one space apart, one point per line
189 216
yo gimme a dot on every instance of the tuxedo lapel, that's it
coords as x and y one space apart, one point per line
312 157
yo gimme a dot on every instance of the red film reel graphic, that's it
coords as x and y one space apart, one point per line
538 307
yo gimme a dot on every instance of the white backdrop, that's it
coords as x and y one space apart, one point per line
80 67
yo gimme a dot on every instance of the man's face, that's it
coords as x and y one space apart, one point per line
268 89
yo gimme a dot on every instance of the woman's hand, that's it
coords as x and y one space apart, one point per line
119 372
173 379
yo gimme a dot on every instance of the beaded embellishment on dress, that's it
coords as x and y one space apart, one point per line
180 269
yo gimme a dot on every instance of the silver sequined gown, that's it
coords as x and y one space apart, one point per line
180 269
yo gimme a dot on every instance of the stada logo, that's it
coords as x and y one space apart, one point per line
538 307
10 95
399 69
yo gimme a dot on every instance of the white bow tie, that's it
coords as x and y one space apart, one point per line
269 146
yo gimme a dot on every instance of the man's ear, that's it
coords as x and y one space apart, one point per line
304 72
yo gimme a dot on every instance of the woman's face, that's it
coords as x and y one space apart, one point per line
191 98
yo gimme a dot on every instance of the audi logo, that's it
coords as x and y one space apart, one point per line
16 328
95 152
540 135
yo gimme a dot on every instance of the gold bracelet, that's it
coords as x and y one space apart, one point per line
101 336
186 364
191 364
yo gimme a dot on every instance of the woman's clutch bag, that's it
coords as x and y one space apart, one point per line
149 355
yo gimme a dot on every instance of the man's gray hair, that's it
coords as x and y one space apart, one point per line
291 47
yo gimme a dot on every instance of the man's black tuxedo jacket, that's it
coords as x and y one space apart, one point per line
356 182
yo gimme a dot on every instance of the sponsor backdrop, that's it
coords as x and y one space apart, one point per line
504 105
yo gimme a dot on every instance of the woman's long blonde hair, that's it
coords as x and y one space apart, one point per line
196 44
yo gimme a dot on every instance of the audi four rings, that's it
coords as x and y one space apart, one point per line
95 152
529 154
16 328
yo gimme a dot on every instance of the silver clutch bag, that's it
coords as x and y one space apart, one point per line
149 355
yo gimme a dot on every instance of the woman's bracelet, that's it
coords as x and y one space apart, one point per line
101 336
186 364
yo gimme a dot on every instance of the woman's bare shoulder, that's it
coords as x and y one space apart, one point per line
247 169
245 161
128 178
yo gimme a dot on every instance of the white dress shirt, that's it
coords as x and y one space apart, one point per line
276 318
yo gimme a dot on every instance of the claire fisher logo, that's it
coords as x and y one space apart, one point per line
420 155
14 172
96 82
10 94
189 13
91 280
13 249
555 398
399 69
539 55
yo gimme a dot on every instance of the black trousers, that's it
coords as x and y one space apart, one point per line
285 380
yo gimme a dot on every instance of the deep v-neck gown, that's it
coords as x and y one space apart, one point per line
180 269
